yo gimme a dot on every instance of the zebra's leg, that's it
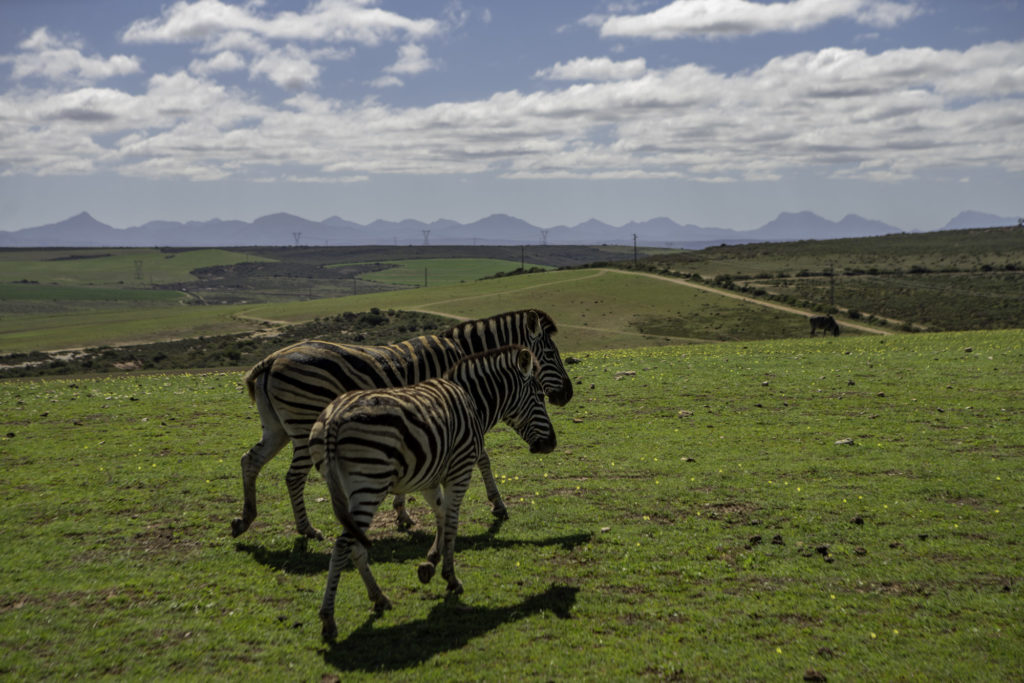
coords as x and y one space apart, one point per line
453 494
426 569
405 522
361 558
274 439
498 508
363 503
296 482
339 558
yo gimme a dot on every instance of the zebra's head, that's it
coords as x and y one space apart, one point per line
526 412
553 377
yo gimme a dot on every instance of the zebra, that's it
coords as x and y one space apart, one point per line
424 437
292 385
826 324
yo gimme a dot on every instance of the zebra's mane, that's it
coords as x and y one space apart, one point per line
474 357
546 323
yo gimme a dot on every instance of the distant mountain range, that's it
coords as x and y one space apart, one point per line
283 229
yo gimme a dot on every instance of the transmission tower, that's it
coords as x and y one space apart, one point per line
297 236
426 238
544 235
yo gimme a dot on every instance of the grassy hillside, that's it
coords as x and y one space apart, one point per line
844 509
594 309
947 280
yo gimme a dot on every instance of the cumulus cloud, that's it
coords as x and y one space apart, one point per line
723 18
847 113
221 62
46 56
412 59
284 45
594 69
357 21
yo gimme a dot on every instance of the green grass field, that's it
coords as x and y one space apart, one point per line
109 267
845 508
440 271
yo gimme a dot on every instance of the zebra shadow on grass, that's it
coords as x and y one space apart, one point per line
299 559
450 625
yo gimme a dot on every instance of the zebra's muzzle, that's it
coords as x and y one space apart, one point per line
543 445
562 397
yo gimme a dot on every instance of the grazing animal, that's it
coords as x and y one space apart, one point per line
425 437
291 386
826 324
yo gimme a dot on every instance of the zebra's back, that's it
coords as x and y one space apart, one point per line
406 438
300 380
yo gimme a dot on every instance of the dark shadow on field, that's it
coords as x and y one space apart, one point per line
449 626
300 560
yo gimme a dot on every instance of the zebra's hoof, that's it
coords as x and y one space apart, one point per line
454 587
310 532
329 632
500 512
405 522
381 604
238 527
425 571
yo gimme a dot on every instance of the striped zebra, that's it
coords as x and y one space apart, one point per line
292 385
424 437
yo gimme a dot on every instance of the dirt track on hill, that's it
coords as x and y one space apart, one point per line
750 299
685 283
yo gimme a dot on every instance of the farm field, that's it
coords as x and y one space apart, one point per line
125 268
767 510
441 271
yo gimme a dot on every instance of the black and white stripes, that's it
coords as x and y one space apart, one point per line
425 437
291 387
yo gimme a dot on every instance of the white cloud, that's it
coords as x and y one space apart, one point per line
846 113
223 61
719 18
290 68
357 21
60 59
387 82
594 69
412 59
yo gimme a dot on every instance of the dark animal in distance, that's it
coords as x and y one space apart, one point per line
826 324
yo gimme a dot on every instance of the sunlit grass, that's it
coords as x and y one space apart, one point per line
747 510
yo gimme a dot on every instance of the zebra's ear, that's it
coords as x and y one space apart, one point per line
524 359
533 323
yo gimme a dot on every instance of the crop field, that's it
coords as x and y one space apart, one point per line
441 271
843 508
109 267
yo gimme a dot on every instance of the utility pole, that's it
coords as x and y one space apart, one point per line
522 257
634 248
424 277
832 284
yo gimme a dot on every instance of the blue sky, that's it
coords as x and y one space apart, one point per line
714 112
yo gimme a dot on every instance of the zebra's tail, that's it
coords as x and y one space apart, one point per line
256 372
317 451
